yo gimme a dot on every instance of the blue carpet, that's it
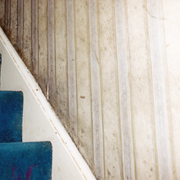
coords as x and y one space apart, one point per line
11 109
19 160
25 161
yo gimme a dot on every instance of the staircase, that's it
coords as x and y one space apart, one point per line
28 159
20 160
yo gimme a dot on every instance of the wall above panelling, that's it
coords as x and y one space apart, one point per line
110 69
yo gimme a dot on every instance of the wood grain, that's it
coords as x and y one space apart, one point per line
98 138
170 15
61 62
13 24
34 42
110 69
51 55
160 102
73 125
20 16
43 42
7 20
107 61
27 32
124 90
2 13
83 82
141 99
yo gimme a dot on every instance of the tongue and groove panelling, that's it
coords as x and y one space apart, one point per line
2 13
110 69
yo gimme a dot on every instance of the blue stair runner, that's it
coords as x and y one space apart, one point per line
20 160
11 109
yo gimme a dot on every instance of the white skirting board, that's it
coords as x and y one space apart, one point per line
40 122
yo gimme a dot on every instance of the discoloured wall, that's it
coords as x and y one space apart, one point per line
110 69
2 13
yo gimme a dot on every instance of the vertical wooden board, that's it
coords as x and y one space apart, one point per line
83 82
109 90
124 90
71 70
2 13
34 42
160 100
96 92
61 62
51 55
43 70
13 25
27 29
141 102
7 20
20 17
171 16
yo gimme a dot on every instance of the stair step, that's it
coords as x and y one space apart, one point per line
26 161
11 111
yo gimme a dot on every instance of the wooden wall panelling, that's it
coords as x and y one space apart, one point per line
2 13
124 90
43 40
34 42
51 56
27 32
61 62
7 20
142 114
72 94
107 61
170 20
159 89
110 69
85 143
13 24
20 16
98 138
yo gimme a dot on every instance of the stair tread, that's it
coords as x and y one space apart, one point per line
29 160
11 112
